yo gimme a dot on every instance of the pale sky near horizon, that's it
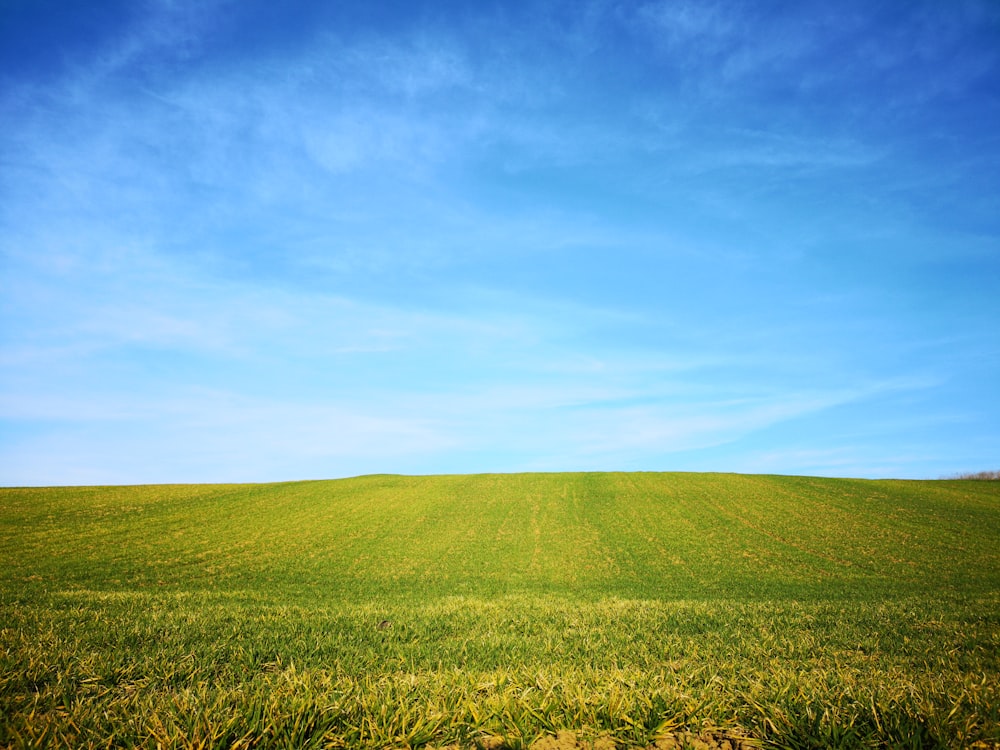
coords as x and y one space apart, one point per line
255 241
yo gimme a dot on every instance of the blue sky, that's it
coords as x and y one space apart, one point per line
251 241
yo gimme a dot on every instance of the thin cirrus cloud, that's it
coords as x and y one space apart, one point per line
664 236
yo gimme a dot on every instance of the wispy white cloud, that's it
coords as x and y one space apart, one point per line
555 427
416 67
691 23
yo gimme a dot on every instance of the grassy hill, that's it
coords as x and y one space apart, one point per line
388 610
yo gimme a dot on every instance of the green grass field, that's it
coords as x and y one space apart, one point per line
479 610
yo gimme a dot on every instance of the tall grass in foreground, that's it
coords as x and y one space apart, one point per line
393 611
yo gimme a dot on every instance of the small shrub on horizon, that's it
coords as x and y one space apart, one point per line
983 475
